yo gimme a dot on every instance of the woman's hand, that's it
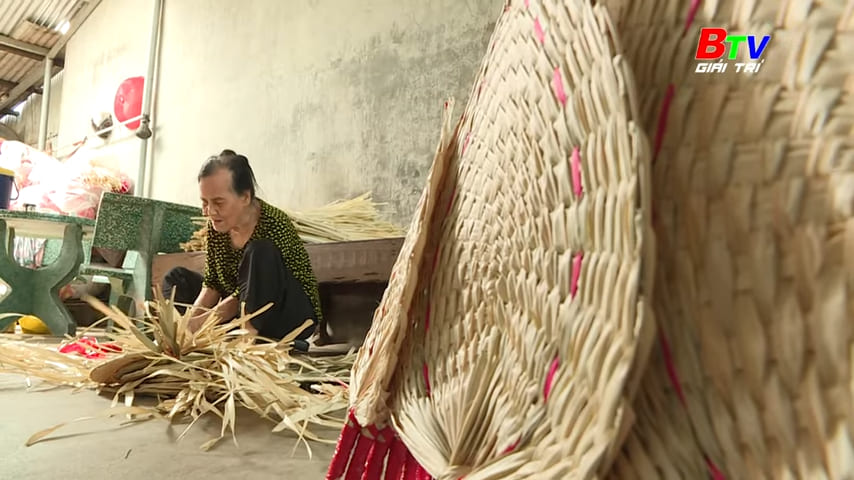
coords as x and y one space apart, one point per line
207 298
196 322
225 310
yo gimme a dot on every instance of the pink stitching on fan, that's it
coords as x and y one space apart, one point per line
662 119
435 259
576 173
557 83
576 273
426 378
692 12
512 447
538 30
527 3
550 378
671 369
466 142
713 469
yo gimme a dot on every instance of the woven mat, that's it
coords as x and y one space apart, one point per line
753 199
518 317
518 328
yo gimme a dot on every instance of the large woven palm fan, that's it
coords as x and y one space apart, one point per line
518 312
753 199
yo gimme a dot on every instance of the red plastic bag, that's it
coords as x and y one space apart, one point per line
89 348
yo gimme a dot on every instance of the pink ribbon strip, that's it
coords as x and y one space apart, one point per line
557 83
538 31
576 173
547 389
576 273
662 119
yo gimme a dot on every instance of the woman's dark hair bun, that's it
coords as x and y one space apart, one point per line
242 176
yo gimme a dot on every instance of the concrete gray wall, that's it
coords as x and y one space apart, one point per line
328 99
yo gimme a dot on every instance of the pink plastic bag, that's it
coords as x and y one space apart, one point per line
72 187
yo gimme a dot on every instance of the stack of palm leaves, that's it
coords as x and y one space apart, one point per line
45 363
339 221
343 220
214 370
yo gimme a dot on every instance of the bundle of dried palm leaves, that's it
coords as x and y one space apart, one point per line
214 370
343 220
197 241
339 221
45 363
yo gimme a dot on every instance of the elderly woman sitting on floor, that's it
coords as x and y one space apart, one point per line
254 257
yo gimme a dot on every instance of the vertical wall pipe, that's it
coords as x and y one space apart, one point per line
48 70
145 128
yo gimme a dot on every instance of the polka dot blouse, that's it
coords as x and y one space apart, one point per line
222 259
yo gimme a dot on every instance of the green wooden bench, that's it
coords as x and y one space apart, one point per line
143 227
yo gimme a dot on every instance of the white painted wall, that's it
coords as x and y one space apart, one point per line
111 46
327 98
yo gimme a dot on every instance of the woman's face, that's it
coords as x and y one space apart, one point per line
219 202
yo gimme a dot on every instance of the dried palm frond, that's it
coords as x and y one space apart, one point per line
44 362
216 370
343 220
197 242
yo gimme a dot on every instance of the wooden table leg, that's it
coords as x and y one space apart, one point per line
36 292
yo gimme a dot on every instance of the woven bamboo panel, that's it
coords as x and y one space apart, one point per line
518 316
753 198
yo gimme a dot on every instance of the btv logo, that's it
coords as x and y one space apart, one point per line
712 46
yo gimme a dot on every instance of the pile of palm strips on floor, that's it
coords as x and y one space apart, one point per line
44 362
216 370
339 221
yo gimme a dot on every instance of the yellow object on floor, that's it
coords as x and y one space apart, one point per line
32 324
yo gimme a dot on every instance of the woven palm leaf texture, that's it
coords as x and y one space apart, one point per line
517 321
753 196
